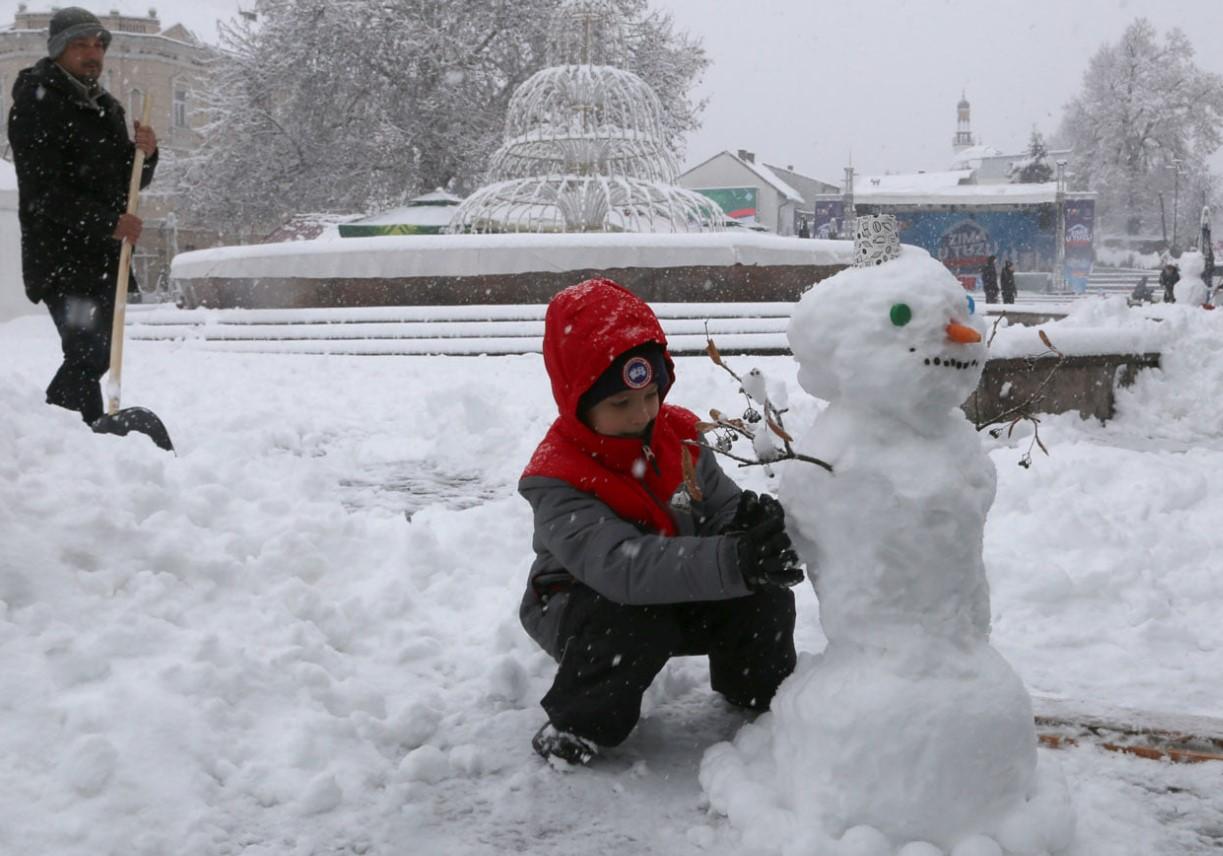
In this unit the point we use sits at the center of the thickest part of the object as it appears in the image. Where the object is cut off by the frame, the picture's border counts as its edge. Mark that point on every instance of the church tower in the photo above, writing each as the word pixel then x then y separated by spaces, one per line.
pixel 963 133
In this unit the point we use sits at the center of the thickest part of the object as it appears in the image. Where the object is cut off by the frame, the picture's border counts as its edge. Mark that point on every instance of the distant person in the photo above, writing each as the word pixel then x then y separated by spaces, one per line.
pixel 1168 278
pixel 1008 282
pixel 74 161
pixel 635 563
pixel 804 231
pixel 989 280
pixel 1142 293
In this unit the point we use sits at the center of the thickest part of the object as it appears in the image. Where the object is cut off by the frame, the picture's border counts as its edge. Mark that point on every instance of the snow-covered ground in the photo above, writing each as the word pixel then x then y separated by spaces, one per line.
pixel 299 635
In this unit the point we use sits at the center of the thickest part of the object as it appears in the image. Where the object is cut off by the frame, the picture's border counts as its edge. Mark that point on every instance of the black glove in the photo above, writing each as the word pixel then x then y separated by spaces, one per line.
pixel 746 513
pixel 766 556
pixel 770 509
pixel 752 510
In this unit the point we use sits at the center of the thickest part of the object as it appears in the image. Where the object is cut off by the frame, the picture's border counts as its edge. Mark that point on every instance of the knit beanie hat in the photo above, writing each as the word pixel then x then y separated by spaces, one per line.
pixel 636 368
pixel 73 23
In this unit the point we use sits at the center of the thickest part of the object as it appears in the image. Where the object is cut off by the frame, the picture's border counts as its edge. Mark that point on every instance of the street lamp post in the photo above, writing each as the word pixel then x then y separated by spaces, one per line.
pixel 849 211
pixel 1176 193
pixel 1059 240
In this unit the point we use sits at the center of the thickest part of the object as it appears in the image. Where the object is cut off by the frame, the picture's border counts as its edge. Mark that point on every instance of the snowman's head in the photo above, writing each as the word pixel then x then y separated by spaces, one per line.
pixel 901 338
pixel 1193 265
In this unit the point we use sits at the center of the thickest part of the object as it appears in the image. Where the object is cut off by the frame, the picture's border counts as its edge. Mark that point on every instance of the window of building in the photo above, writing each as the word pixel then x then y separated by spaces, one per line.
pixel 180 105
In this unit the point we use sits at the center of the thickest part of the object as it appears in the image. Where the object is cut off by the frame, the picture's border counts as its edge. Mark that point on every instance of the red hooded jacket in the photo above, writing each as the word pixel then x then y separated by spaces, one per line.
pixel 586 327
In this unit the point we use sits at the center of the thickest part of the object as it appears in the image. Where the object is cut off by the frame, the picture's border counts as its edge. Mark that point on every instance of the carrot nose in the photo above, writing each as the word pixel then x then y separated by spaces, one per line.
pixel 962 333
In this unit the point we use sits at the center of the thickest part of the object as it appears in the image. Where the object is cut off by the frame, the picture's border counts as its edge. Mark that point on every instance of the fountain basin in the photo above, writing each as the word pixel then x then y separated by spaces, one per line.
pixel 436 270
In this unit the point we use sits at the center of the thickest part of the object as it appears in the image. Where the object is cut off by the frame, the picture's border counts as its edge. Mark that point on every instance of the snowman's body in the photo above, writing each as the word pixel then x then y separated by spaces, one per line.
pixel 873 530
pixel 909 723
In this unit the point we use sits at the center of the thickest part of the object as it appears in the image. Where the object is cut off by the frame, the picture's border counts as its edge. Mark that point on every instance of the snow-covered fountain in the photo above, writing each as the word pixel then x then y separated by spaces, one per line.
pixel 584 147
pixel 583 185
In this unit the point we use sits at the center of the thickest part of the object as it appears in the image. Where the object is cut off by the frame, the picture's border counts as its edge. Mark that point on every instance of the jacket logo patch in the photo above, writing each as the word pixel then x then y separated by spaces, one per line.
pixel 638 373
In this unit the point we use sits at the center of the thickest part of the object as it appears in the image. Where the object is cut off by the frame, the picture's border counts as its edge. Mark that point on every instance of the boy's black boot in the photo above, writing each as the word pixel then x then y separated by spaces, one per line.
pixel 551 742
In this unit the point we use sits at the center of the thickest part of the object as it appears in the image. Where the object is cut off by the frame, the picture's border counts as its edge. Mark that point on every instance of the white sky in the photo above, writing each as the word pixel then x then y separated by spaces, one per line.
pixel 812 83
pixel 809 83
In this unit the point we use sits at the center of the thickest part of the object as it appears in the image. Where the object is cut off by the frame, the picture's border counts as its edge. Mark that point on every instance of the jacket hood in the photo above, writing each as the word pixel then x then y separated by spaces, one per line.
pixel 586 327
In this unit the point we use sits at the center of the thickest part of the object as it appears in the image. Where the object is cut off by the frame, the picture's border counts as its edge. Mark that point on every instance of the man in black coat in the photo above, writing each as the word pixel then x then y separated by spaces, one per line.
pixel 1008 282
pixel 1168 278
pixel 989 280
pixel 74 162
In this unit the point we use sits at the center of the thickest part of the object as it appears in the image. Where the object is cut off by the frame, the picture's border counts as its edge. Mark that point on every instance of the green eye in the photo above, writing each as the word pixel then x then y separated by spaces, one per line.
pixel 901 314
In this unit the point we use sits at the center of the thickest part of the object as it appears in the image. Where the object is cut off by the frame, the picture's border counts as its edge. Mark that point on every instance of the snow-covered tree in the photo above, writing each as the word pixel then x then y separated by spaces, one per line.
pixel 351 106
pixel 1142 127
pixel 671 62
pixel 1034 168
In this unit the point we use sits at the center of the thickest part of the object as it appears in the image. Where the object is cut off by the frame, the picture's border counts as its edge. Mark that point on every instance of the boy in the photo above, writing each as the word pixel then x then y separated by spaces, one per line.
pixel 632 567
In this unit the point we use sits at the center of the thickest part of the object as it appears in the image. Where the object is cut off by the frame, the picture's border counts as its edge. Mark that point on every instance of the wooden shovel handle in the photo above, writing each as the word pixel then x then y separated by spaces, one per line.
pixel 114 380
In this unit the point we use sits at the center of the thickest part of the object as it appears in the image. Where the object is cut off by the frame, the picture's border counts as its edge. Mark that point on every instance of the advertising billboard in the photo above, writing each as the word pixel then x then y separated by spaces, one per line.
pixel 1080 217
pixel 963 240
pixel 739 203
pixel 827 218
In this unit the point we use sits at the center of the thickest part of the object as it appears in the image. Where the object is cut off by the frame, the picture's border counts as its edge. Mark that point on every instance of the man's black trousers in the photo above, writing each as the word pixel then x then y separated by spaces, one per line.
pixel 614 651
pixel 84 334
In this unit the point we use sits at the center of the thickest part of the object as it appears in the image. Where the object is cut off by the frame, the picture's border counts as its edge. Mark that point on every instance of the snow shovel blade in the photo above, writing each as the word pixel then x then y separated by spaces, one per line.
pixel 139 419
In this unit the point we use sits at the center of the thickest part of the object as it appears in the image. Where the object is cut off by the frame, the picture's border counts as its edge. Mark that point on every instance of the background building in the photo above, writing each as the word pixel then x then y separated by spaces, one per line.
pixel 143 59
pixel 755 194
pixel 976 209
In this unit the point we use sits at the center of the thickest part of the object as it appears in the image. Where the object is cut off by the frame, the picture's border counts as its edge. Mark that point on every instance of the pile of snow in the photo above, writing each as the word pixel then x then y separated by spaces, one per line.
pixel 1107 325
pixel 250 647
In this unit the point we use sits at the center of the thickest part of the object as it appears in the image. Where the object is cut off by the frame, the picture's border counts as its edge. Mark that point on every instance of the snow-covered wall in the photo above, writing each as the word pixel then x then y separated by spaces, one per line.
pixel 481 255
pixel 12 295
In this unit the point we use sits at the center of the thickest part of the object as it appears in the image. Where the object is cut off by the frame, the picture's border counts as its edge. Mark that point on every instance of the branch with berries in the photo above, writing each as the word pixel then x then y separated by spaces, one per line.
pixel 762 423
pixel 1023 411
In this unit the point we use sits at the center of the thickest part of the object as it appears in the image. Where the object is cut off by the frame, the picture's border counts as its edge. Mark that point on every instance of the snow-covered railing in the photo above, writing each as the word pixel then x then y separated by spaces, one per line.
pixel 460 330
pixel 1103 345
pixel 517 329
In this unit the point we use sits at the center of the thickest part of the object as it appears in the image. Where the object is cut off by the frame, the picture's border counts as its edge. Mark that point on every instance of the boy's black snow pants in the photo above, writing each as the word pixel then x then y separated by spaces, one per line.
pixel 614 651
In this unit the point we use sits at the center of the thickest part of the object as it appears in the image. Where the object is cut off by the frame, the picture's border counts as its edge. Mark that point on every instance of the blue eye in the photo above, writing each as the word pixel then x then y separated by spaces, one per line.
pixel 972 305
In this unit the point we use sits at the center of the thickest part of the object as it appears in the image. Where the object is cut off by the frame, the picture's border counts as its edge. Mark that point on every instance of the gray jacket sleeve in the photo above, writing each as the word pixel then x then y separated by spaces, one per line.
pixel 577 533
pixel 721 494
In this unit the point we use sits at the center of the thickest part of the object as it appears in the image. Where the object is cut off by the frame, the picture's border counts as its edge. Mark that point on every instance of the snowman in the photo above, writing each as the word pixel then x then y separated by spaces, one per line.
pixel 909 733
pixel 1190 289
